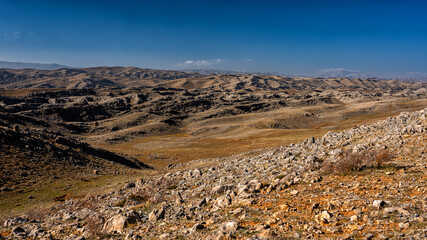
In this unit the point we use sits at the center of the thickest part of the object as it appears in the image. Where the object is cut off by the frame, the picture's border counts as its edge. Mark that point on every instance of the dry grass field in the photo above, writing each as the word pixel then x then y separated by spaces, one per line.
pixel 165 119
pixel 233 135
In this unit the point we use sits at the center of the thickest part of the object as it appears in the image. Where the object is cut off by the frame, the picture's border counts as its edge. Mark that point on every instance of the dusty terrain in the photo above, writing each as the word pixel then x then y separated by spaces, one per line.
pixel 71 137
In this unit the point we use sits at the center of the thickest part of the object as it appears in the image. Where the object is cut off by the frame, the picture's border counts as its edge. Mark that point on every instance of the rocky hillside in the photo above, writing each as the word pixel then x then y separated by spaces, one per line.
pixel 368 182
pixel 30 154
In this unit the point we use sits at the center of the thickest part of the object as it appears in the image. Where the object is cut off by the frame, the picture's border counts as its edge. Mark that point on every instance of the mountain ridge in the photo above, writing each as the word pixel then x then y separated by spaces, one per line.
pixel 132 77
pixel 27 65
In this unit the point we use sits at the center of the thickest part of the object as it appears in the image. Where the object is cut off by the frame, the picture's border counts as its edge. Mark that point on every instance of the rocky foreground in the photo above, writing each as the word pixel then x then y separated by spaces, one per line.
pixel 368 182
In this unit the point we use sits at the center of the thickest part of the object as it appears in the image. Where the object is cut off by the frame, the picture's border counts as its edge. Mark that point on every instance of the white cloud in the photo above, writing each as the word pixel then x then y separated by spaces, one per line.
pixel 339 70
pixel 13 35
pixel 199 63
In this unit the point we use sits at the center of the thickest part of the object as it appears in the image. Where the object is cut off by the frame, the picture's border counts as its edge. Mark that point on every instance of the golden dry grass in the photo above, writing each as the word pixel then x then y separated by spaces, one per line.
pixel 243 133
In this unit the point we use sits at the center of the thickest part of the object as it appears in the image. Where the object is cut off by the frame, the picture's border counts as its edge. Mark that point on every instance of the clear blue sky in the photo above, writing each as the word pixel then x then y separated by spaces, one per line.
pixel 293 37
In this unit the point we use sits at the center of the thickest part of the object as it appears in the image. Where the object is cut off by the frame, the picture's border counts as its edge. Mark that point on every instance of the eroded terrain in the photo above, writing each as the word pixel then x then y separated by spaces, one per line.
pixel 70 138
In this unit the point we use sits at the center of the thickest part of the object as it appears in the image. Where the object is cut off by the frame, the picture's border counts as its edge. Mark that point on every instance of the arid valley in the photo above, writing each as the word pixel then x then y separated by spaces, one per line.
pixel 146 154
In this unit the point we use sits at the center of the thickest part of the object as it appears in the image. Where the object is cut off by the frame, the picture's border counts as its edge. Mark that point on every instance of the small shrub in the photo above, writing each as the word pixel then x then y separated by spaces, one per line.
pixel 37 214
pixel 146 208
pixel 281 176
pixel 138 198
pixel 88 203
pixel 354 162
pixel 382 157
pixel 172 186
pixel 121 203
pixel 95 224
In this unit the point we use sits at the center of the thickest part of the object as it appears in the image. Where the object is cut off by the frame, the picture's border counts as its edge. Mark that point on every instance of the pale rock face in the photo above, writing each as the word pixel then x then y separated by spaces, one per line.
pixel 230 226
pixel 156 214
pixel 223 201
pixel 294 192
pixel 324 217
pixel 117 224
pixel 221 189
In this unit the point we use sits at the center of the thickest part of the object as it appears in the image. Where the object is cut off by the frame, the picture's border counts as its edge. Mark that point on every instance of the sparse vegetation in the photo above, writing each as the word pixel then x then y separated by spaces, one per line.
pixel 121 203
pixel 172 187
pixel 138 198
pixel 349 161
pixel 95 224
pixel 280 176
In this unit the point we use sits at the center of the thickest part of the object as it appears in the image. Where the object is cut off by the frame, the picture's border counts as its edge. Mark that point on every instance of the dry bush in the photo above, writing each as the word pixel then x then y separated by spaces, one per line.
pixel 40 213
pixel 37 214
pixel 382 157
pixel 353 162
pixel 138 198
pixel 95 224
pixel 148 194
pixel 87 202
pixel 154 192
pixel 165 182
pixel 120 203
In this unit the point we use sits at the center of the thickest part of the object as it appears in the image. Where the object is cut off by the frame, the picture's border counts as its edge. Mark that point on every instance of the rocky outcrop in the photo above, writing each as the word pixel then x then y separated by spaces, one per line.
pixel 117 224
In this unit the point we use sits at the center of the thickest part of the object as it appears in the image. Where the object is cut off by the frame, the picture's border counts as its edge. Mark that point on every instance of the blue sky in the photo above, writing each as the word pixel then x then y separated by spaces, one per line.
pixel 294 37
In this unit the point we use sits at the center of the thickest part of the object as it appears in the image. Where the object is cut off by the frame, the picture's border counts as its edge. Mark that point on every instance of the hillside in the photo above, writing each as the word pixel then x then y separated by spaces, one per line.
pixel 34 155
pixel 366 182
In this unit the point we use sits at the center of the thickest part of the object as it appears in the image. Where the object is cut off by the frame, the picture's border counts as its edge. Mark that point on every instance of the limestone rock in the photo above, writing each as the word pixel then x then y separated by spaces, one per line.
pixel 117 224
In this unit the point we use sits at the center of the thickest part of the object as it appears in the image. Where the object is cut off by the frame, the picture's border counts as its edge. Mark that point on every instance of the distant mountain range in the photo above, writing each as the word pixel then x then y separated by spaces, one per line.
pixel 347 73
pixel 131 77
pixel 23 65
pixel 326 73
pixel 219 72
pixel 341 73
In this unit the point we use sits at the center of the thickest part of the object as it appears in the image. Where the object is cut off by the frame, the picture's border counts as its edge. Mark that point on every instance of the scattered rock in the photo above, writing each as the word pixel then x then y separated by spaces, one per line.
pixel 157 214
pixel 18 232
pixel 323 217
pixel 117 224
pixel 230 227
pixel 379 204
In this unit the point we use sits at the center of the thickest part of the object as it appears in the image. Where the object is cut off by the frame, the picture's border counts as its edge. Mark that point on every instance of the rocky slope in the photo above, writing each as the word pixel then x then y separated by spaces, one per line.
pixel 30 154
pixel 367 182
